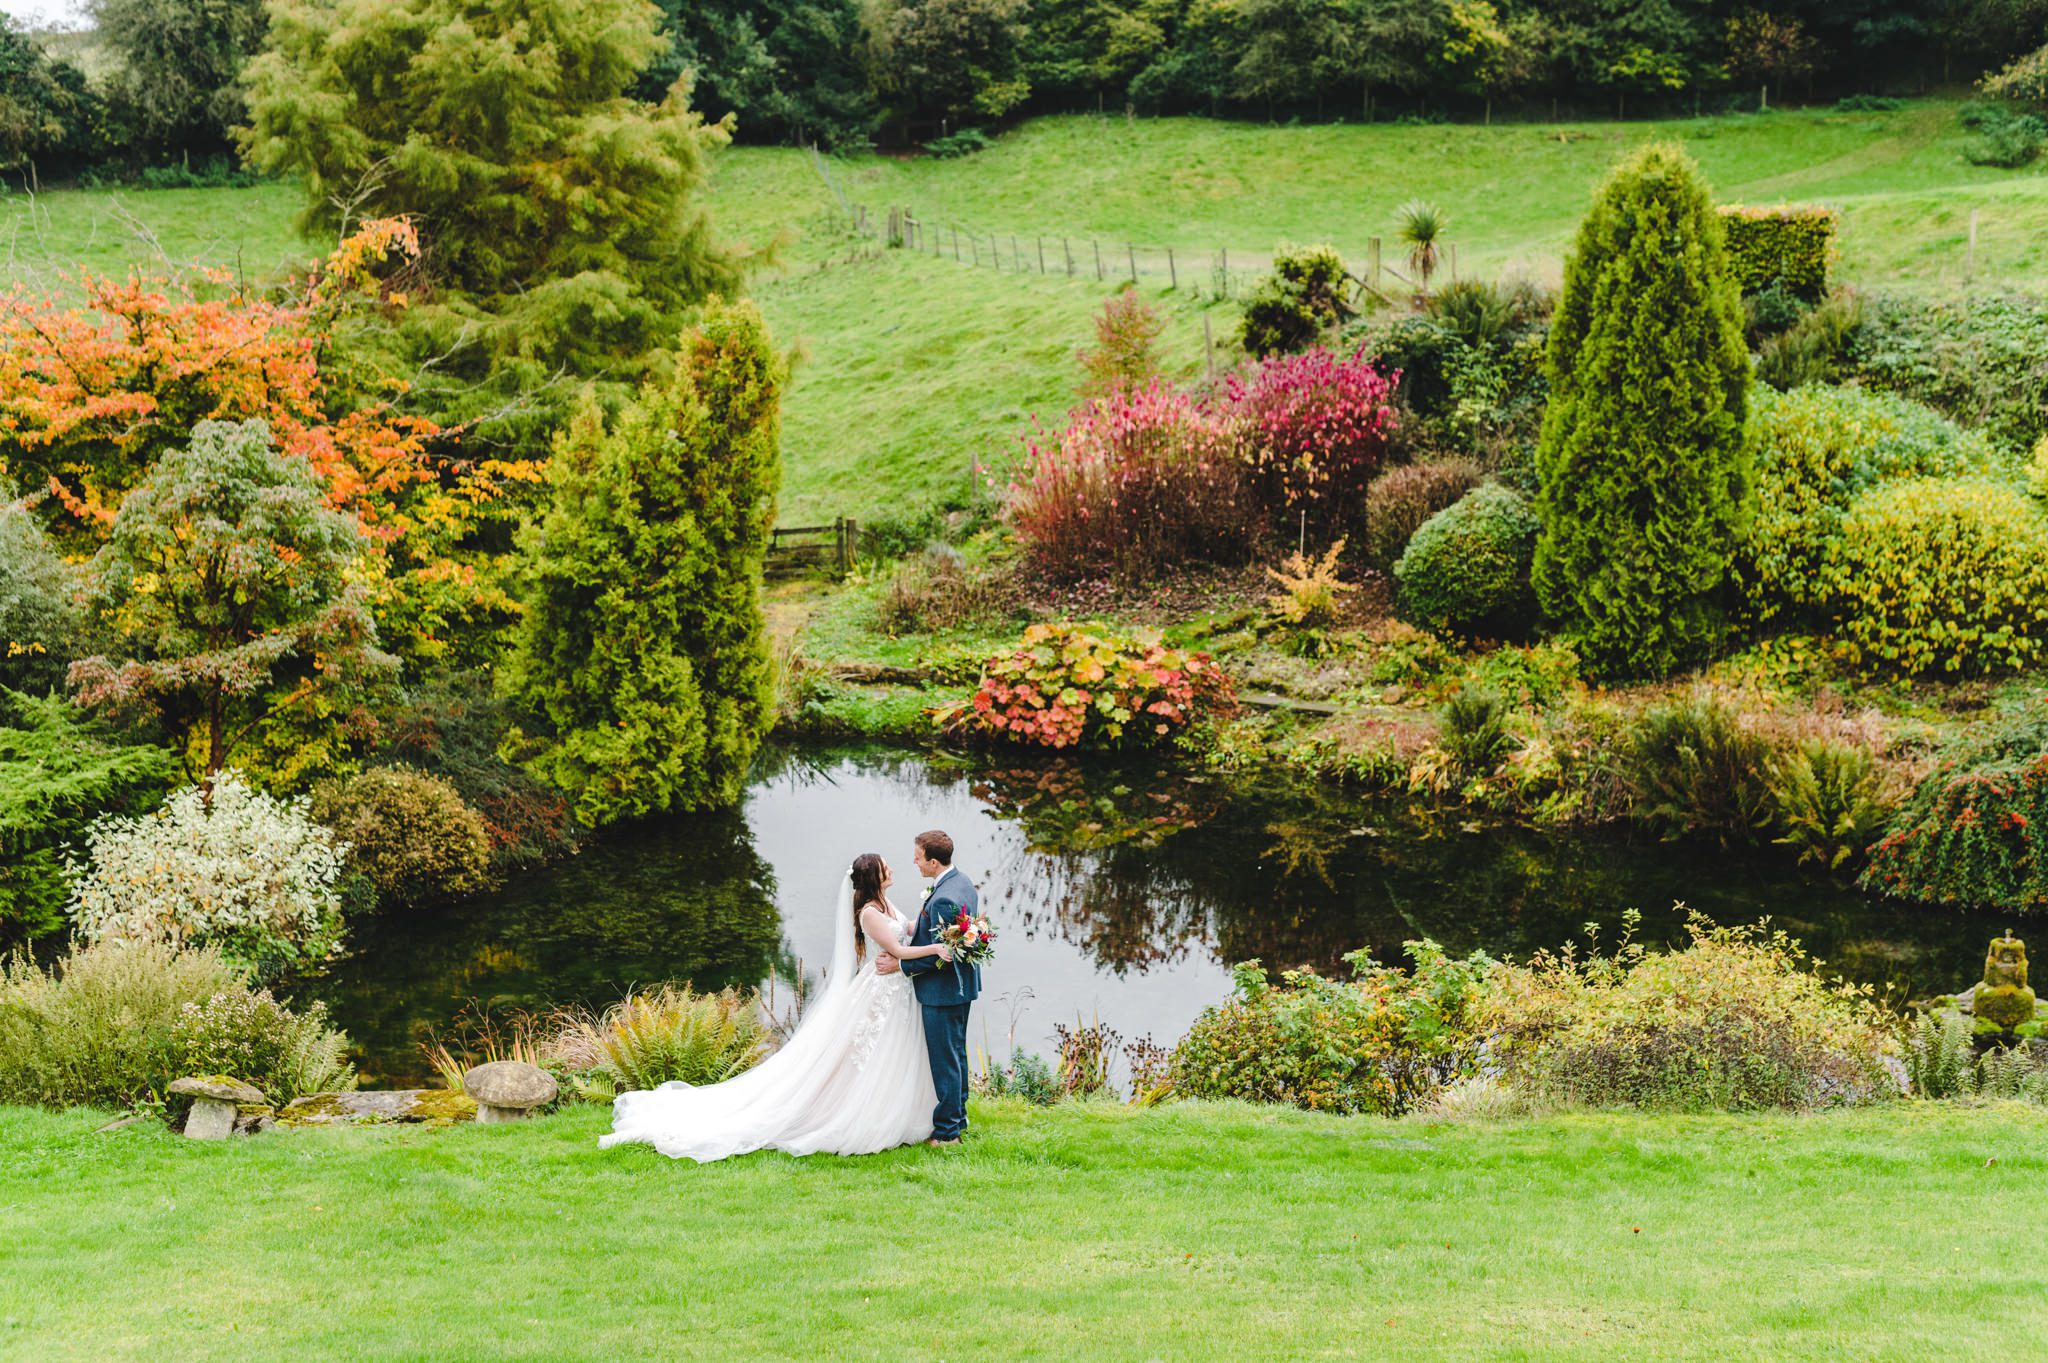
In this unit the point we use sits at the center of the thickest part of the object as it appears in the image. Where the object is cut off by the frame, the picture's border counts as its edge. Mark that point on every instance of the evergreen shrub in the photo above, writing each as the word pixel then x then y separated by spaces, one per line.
pixel 1466 570
pixel 1792 247
pixel 1641 458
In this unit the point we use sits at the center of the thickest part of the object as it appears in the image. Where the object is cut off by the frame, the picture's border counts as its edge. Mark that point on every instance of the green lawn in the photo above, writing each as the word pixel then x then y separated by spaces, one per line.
pixel 915 368
pixel 1192 1232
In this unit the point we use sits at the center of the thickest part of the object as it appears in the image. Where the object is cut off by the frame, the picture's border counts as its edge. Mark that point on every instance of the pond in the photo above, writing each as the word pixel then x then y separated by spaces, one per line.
pixel 1123 891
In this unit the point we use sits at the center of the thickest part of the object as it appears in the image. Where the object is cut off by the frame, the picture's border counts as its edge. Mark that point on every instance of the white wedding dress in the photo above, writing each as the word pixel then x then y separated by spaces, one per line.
pixel 853 1080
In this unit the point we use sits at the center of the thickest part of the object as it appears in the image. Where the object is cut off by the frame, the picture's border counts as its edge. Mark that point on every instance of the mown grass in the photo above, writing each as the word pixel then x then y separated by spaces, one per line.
pixel 916 370
pixel 1191 1232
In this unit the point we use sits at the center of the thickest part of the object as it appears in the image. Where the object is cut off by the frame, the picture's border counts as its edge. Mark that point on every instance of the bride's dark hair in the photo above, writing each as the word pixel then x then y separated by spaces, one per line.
pixel 867 889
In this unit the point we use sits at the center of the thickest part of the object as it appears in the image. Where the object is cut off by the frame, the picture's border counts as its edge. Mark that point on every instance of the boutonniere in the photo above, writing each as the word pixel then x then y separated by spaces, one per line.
pixel 925 896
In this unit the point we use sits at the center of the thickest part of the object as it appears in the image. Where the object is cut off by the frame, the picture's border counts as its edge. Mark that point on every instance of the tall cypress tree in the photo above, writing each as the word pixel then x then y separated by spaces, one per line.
pixel 643 658
pixel 1641 458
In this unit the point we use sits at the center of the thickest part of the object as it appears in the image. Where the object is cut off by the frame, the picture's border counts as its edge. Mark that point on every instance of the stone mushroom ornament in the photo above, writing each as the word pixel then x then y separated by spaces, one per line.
pixel 214 1104
pixel 506 1090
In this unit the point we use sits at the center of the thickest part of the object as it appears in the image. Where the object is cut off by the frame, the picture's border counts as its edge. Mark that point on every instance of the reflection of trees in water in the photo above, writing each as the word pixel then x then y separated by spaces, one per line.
pixel 685 899
pixel 1140 866
pixel 1089 870
pixel 1136 866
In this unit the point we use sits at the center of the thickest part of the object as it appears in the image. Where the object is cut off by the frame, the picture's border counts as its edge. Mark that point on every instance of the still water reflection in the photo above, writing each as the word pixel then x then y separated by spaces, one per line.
pixel 1124 891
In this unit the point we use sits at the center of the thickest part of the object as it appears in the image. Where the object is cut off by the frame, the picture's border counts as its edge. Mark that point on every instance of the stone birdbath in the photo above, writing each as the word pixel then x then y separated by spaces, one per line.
pixel 506 1090
pixel 215 1098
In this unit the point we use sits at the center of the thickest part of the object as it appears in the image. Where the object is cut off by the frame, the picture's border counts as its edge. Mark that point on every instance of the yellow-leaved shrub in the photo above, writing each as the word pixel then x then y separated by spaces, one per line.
pixel 1937 576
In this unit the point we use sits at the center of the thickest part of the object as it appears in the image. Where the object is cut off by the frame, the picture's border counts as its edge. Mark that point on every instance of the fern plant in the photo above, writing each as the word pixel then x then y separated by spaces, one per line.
pixel 1693 768
pixel 1829 801
pixel 1475 728
pixel 1940 1061
pixel 1310 589
pixel 648 1039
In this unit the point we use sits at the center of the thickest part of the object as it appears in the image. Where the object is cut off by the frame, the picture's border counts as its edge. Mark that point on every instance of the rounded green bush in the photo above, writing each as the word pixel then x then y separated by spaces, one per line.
pixel 1813 451
pixel 1932 576
pixel 409 834
pixel 1466 571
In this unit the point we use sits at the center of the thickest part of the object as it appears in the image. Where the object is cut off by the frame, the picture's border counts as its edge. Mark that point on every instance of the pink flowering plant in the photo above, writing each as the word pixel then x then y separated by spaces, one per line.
pixel 1312 430
pixel 1141 479
pixel 1146 479
pixel 1066 686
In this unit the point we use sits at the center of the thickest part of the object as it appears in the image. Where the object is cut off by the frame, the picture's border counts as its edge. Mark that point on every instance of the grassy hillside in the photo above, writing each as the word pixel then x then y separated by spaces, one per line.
pixel 1191 1232
pixel 915 368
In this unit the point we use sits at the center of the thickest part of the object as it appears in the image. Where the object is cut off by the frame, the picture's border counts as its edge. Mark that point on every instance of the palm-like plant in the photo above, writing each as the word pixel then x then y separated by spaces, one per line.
pixel 1420 228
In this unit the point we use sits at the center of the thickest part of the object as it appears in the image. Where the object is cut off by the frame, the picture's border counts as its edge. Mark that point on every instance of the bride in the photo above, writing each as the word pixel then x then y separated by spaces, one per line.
pixel 853 1080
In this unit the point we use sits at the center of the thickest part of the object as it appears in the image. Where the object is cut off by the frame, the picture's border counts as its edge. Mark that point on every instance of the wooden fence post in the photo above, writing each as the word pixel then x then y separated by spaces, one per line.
pixel 1209 346
pixel 1067 249
pixel 1172 274
pixel 1041 255
pixel 1970 258
pixel 1098 256
pixel 956 243
pixel 1225 258
pixel 1372 263
pixel 1453 246
pixel 1133 250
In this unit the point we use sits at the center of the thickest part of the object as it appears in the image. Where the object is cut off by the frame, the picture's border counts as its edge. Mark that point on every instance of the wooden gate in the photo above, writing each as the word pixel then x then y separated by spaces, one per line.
pixel 815 546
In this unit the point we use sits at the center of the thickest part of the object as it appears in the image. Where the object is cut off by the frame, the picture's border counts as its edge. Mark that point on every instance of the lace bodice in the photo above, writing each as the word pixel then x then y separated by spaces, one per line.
pixel 884 993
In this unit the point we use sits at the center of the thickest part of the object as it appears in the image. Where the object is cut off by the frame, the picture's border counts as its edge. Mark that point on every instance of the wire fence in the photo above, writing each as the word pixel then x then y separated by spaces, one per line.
pixel 1218 272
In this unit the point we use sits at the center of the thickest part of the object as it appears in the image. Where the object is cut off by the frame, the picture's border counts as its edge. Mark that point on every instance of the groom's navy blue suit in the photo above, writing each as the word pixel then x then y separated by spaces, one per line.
pixel 944 992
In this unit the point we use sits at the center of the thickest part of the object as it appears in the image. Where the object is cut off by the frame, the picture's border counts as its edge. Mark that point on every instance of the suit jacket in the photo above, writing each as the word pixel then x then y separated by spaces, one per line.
pixel 941 983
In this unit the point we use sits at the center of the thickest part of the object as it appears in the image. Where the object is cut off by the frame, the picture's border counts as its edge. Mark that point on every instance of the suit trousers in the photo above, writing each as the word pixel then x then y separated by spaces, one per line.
pixel 945 1039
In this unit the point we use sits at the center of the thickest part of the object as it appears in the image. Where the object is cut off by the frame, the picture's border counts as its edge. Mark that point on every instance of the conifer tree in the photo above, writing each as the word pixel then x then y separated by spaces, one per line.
pixel 643 659
pixel 561 218
pixel 1641 457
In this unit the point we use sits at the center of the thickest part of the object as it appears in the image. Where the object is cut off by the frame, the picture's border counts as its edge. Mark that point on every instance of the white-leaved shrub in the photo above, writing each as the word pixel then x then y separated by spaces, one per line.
pixel 238 870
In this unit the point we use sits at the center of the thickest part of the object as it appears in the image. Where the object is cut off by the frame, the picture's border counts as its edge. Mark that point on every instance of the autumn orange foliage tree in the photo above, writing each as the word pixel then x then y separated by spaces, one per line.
pixel 94 395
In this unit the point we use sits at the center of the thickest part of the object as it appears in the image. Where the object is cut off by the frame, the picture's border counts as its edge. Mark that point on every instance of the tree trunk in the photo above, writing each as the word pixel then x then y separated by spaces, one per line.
pixel 216 736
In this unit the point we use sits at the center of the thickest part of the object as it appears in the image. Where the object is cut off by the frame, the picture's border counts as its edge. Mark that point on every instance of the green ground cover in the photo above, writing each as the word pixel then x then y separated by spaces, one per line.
pixel 1085 1231
pixel 915 370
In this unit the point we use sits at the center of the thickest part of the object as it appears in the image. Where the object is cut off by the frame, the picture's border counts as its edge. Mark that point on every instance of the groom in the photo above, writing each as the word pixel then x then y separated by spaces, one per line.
pixel 944 989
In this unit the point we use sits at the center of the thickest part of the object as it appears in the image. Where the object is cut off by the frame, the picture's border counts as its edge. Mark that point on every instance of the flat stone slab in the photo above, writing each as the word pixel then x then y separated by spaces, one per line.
pixel 378 1105
pixel 221 1088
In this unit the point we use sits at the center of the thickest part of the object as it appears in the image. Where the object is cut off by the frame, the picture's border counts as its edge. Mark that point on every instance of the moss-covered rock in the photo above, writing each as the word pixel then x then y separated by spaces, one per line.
pixel 434 1107
pixel 2004 1001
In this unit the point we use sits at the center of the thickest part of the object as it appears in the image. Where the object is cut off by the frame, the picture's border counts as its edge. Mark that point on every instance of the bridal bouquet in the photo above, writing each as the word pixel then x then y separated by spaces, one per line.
pixel 970 937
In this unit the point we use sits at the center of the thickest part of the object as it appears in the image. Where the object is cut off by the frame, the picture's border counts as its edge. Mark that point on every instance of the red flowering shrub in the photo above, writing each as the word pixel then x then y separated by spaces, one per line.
pixel 1975 836
pixel 1144 479
pixel 1313 428
pixel 1140 480
pixel 1064 687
